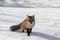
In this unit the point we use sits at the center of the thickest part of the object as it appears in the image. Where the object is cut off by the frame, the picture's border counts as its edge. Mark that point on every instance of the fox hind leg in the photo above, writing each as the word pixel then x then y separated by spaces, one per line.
pixel 22 30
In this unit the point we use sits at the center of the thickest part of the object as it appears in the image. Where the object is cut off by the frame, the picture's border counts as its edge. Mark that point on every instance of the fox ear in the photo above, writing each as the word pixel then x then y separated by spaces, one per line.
pixel 33 15
pixel 27 15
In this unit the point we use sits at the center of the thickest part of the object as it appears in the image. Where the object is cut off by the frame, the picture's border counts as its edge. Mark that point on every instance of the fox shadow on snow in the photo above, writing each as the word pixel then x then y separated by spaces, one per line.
pixel 46 36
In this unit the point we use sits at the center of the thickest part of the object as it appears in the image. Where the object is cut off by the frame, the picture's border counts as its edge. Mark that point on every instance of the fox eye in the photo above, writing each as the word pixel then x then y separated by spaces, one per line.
pixel 29 20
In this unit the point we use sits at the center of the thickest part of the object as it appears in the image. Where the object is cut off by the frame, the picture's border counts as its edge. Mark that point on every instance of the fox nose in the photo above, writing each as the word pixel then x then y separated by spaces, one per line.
pixel 31 22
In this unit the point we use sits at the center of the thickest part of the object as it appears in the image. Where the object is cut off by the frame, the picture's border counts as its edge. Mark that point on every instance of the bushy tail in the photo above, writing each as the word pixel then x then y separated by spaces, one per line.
pixel 15 27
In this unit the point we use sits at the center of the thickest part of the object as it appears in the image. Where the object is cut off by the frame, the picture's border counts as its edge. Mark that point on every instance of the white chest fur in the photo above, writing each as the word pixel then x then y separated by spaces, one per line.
pixel 30 25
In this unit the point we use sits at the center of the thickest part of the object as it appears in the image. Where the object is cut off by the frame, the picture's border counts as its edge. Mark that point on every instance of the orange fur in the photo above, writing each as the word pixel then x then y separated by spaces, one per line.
pixel 25 23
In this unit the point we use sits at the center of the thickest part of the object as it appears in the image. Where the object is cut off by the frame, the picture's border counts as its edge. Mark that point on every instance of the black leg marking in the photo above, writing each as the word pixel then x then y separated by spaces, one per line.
pixel 30 30
pixel 12 30
pixel 22 30
pixel 28 33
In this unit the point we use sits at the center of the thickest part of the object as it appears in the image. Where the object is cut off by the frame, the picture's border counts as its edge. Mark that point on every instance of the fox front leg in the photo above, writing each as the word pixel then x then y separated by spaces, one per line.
pixel 28 32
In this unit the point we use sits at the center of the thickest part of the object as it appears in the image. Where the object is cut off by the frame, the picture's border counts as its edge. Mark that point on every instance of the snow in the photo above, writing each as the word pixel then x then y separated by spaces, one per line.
pixel 47 26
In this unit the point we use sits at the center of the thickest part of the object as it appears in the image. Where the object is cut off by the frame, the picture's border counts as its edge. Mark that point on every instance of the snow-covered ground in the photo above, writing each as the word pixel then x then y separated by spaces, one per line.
pixel 47 25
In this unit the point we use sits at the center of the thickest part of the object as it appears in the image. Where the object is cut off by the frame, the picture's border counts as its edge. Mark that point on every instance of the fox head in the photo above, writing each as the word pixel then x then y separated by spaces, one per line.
pixel 31 18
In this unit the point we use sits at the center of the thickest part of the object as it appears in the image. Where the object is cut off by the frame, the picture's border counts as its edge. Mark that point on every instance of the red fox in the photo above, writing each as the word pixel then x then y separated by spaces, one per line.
pixel 28 24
